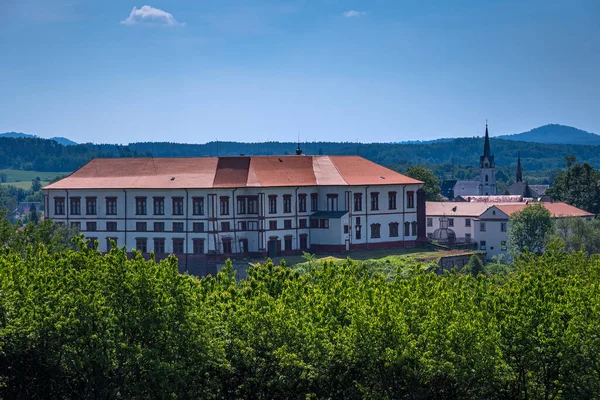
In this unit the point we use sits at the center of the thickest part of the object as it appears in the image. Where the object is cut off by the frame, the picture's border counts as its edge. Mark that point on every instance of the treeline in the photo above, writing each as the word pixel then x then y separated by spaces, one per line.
pixel 48 155
pixel 82 325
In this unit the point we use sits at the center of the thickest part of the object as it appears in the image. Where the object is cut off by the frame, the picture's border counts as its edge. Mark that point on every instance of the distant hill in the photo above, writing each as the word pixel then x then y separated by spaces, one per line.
pixel 19 135
pixel 556 134
pixel 64 141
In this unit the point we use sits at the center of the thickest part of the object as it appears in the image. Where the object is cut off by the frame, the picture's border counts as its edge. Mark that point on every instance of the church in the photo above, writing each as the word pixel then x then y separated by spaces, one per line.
pixel 485 186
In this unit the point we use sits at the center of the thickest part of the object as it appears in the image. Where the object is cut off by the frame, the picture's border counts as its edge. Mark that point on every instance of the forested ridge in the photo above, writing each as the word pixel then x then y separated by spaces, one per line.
pixel 48 155
pixel 80 324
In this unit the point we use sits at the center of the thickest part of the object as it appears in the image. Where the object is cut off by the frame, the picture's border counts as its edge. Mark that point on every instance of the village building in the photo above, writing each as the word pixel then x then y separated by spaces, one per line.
pixel 524 189
pixel 240 206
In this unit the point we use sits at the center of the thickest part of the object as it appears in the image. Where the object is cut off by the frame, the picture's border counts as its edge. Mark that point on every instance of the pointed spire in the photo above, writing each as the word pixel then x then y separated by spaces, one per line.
pixel 519 172
pixel 486 147
pixel 298 150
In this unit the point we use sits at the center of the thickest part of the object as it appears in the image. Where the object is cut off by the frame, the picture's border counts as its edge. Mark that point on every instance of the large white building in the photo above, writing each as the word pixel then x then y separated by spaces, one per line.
pixel 210 208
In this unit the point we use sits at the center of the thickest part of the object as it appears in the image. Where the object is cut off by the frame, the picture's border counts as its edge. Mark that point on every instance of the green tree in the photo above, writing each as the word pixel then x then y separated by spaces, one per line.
pixel 475 266
pixel 579 186
pixel 579 234
pixel 36 185
pixel 529 230
pixel 431 184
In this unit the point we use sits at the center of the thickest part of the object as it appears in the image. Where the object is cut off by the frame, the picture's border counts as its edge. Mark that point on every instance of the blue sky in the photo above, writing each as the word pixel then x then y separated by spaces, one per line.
pixel 114 71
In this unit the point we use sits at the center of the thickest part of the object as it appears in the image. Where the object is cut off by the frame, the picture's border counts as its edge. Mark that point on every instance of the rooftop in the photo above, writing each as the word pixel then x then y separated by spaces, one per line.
pixel 229 172
pixel 557 210
pixel 460 209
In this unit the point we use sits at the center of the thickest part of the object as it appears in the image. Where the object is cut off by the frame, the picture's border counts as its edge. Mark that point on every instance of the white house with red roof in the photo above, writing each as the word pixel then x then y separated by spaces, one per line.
pixel 240 206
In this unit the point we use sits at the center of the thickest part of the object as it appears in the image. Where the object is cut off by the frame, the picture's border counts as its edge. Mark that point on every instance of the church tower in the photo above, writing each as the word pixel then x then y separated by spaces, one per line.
pixel 487 168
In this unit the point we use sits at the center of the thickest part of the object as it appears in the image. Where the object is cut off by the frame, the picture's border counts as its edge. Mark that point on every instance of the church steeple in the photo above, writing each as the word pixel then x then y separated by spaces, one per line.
pixel 519 172
pixel 486 147
pixel 298 150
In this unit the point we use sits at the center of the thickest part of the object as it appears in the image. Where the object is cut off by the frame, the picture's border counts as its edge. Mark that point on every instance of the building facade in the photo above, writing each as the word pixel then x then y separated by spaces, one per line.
pixel 244 206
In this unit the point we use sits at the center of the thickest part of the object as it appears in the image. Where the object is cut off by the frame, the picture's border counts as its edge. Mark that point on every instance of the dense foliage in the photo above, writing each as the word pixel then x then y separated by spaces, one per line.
pixel 80 324
pixel 530 230
pixel 431 184
pixel 579 185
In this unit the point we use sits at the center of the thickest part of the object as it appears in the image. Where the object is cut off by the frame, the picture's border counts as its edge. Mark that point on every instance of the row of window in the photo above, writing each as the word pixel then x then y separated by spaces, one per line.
pixel 111 226
pixel 482 225
pixel 483 245
pixel 245 204
pixel 393 230
pixel 141 244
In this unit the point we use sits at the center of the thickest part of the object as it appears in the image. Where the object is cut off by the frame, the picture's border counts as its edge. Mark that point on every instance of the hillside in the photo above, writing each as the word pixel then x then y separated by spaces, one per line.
pixel 19 135
pixel 556 134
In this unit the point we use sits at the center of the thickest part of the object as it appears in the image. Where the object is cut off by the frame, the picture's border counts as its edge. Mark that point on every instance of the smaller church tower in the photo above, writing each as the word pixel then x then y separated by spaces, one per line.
pixel 519 171
pixel 487 168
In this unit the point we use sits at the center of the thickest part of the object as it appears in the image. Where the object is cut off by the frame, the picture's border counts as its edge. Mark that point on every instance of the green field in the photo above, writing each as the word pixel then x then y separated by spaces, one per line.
pixel 22 179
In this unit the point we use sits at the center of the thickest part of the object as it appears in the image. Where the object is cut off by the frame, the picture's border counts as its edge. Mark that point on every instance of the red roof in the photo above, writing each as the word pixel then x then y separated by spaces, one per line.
pixel 229 172
pixel 556 209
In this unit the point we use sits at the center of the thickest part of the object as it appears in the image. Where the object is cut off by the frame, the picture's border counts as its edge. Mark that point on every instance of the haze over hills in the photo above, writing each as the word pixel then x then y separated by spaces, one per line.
pixel 59 139
pixel 556 134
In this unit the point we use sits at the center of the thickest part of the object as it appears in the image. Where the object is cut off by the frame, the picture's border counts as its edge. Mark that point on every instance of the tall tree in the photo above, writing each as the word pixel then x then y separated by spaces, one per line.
pixel 431 182
pixel 579 186
pixel 529 230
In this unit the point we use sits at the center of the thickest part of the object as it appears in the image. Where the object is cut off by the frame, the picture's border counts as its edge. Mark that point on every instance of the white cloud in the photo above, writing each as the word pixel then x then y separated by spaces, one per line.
pixel 150 15
pixel 353 13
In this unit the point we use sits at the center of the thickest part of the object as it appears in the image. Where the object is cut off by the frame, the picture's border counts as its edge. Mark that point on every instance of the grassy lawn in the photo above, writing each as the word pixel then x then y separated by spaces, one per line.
pixel 22 179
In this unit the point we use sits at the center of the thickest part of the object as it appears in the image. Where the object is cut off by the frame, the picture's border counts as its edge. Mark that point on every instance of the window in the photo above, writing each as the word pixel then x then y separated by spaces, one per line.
pixel 375 231
pixel 346 229
pixel 314 223
pixel 110 243
pixel 141 244
pixel 314 202
pixel 159 227
pixel 332 202
pixel 272 225
pixel 429 222
pixel 111 226
pixel 141 226
pixel 392 200
pixel 358 230
pixel 159 246
pixel 241 205
pixel 414 228
pixel 357 201
pixel 287 243
pixel 227 246
pixel 451 222
pixel 198 205
pixel 225 226
pixel 177 205
pixel 410 199
pixel 92 242
pixel 198 226
pixel 159 206
pixel 242 226
pixel 272 204
pixel 198 246
pixel 140 206
pixel 90 226
pixel 252 225
pixel 287 224
pixel 287 203
pixel 177 226
pixel 468 237
pixel 374 201
pixel 482 226
pixel 59 205
pixel 75 206
pixel 252 205
pixel 407 229
pixel 76 225
pixel 502 226
pixel 503 245
pixel 486 178
pixel 111 206
pixel 178 246
pixel 301 203
pixel 394 229
pixel 468 222
pixel 303 241
pixel 224 202
pixel 90 206
pixel 482 245
pixel 324 223
pixel 302 223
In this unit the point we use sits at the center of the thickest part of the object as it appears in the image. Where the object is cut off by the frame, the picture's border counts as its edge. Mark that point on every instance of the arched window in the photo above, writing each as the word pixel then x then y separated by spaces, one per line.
pixel 407 228
pixel 414 229
pixel 486 179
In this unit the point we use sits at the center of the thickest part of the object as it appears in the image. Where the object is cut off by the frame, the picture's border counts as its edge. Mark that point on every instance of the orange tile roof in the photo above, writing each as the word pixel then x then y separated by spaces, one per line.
pixel 229 172
pixel 556 209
